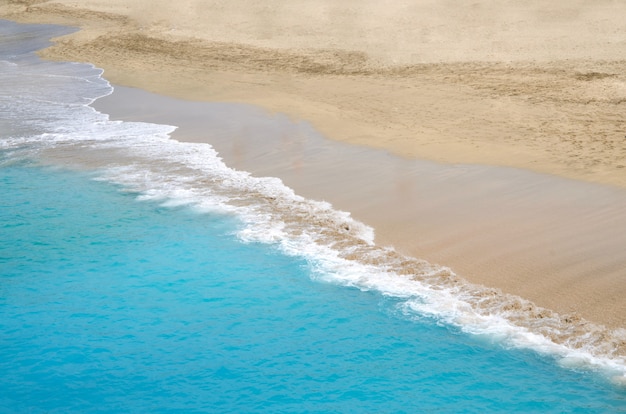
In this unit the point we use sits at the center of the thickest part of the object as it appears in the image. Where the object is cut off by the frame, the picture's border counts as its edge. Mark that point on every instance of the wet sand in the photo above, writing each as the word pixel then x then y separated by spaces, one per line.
pixel 555 241
pixel 533 87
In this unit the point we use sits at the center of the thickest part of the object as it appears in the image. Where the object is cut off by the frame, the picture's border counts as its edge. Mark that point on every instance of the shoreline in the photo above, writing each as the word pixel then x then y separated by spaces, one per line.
pixel 463 109
pixel 121 239
pixel 553 241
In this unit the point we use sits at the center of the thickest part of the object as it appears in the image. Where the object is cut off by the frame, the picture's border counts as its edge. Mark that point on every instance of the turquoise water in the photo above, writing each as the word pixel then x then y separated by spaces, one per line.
pixel 141 274
pixel 114 305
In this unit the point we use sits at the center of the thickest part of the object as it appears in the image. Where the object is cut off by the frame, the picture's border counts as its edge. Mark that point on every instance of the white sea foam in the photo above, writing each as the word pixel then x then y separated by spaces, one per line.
pixel 341 250
pixel 54 122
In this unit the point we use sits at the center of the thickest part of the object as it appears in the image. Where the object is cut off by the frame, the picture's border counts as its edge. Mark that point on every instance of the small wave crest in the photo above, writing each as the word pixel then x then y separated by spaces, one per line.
pixel 342 250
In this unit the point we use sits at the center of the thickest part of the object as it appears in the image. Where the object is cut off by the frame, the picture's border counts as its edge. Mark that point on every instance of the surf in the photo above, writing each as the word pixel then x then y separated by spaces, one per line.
pixel 56 126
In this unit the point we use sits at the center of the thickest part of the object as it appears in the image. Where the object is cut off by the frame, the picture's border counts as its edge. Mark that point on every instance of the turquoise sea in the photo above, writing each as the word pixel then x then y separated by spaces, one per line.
pixel 141 274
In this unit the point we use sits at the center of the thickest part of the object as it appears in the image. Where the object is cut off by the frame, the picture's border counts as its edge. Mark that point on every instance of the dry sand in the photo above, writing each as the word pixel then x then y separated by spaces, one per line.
pixel 536 85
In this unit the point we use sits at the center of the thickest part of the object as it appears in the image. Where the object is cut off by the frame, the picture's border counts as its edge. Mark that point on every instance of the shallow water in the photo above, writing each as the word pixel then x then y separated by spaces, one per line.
pixel 110 304
pixel 143 274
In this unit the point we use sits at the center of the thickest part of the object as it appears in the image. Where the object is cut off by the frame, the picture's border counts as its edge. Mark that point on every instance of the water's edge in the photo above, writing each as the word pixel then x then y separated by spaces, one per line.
pixel 143 158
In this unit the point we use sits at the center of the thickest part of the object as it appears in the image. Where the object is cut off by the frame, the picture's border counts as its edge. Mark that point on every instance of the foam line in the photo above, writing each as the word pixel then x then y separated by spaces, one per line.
pixel 55 124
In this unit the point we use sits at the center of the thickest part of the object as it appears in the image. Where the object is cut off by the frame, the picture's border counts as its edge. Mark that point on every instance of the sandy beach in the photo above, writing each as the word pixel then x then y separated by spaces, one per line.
pixel 537 87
